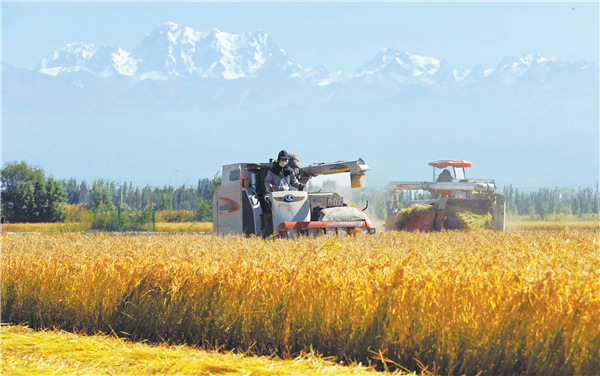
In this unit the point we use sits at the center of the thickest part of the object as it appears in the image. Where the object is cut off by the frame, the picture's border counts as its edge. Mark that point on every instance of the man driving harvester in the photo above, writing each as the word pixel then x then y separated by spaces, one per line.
pixel 281 176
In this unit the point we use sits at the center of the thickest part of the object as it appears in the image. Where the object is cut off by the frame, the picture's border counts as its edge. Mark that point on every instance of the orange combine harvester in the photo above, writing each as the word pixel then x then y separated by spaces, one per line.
pixel 450 193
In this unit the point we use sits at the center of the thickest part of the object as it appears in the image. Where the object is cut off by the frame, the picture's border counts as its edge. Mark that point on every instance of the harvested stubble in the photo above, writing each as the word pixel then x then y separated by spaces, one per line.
pixel 56 352
pixel 459 302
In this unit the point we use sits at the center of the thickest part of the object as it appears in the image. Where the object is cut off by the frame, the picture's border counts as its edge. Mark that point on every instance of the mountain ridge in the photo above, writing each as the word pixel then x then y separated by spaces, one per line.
pixel 173 52
pixel 171 105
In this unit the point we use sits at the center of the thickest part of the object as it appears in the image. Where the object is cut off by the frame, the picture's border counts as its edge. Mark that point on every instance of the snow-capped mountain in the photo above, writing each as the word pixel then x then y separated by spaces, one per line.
pixel 77 57
pixel 170 51
pixel 406 68
pixel 181 95
pixel 402 67
pixel 511 69
pixel 545 72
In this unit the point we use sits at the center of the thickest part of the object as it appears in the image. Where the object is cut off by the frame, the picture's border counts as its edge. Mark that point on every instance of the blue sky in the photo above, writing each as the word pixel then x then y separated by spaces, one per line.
pixel 338 35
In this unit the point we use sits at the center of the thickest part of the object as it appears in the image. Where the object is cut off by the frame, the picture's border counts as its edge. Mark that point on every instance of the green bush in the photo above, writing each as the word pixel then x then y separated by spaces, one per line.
pixel 203 210
pixel 108 219
pixel 79 213
pixel 29 197
pixel 175 216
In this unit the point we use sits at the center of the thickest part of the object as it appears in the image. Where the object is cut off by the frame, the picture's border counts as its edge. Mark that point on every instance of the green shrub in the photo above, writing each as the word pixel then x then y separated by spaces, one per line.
pixel 175 216
pixel 79 213
pixel 109 219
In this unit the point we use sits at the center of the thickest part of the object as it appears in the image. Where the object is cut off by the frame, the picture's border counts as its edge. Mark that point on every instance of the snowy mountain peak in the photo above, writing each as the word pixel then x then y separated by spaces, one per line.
pixel 403 67
pixel 390 60
pixel 423 64
pixel 530 61
pixel 69 56
pixel 170 51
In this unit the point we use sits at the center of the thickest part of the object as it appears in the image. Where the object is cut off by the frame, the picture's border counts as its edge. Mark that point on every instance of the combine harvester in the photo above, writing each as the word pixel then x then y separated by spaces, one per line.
pixel 242 205
pixel 454 202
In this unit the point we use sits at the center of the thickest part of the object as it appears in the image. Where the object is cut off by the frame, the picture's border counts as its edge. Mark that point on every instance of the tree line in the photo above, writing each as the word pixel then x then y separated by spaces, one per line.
pixel 29 196
pixel 544 202
pixel 548 201
pixel 111 193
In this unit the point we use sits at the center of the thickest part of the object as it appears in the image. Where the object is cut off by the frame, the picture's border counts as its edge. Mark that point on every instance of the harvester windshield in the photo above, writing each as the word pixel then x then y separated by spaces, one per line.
pixel 459 173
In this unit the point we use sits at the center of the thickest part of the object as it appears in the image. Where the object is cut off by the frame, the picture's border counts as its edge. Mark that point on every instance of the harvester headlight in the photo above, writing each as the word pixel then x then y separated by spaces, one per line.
pixel 372 231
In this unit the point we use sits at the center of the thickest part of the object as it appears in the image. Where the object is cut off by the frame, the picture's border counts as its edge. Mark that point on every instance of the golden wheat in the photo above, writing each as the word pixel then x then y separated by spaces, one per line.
pixel 74 226
pixel 184 227
pixel 55 227
pixel 457 302
pixel 55 352
pixel 552 225
pixel 406 215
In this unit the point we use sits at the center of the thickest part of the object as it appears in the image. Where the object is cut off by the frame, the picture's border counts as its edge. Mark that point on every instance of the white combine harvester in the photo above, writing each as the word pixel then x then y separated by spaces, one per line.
pixel 241 205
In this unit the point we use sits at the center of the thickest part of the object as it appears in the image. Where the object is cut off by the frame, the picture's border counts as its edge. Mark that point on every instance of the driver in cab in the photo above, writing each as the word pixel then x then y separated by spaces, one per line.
pixel 281 176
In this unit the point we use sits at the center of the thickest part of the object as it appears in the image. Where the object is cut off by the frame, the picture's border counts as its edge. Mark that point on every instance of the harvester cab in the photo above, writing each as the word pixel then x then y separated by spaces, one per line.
pixel 458 167
pixel 242 205
pixel 455 201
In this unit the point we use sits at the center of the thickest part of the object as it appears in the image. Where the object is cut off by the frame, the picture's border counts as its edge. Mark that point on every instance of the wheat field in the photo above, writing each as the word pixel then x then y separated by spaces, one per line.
pixel 56 352
pixel 59 227
pixel 184 227
pixel 511 225
pixel 552 225
pixel 453 302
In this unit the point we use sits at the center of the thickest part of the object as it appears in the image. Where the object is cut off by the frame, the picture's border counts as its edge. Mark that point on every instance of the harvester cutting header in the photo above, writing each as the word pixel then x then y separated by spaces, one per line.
pixel 453 199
